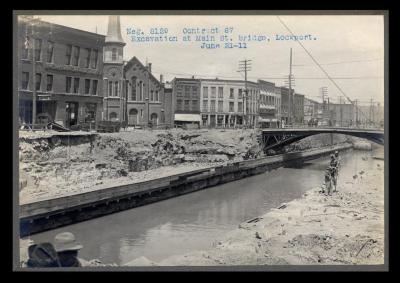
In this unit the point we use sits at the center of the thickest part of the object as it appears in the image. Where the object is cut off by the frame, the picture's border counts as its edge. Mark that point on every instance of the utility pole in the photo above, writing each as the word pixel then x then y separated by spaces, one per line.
pixel 33 78
pixel 245 66
pixel 356 113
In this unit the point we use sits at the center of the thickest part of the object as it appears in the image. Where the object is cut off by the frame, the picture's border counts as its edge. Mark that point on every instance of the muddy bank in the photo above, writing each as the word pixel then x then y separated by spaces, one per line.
pixel 346 228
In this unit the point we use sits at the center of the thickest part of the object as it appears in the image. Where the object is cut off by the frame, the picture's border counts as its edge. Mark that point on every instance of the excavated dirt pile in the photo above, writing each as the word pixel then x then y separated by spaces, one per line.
pixel 51 167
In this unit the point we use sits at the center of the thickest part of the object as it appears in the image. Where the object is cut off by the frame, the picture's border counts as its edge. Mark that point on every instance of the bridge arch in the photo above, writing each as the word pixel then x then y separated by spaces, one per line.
pixel 277 138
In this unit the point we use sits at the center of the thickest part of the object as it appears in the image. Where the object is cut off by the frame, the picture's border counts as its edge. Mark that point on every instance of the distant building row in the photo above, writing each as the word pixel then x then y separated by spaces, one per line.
pixel 80 77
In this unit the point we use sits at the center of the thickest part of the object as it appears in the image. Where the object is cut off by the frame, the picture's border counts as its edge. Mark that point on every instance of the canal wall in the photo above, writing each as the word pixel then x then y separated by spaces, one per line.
pixel 47 214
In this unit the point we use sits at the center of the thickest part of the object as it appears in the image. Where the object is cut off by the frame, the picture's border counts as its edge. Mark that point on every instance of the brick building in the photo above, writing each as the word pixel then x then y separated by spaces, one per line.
pixel 145 95
pixel 298 108
pixel 68 73
pixel 267 105
pixel 186 93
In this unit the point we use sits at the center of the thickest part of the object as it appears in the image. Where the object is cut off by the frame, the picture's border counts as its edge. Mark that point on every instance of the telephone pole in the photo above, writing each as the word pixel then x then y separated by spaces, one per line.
pixel 245 66
pixel 356 113
pixel 33 78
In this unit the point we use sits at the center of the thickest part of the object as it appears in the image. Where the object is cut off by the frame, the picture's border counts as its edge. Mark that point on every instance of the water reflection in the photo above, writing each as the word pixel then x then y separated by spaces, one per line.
pixel 194 221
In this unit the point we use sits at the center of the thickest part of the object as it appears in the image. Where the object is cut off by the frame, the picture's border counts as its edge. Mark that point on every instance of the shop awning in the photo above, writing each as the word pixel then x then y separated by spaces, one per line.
pixel 188 117
pixel 267 120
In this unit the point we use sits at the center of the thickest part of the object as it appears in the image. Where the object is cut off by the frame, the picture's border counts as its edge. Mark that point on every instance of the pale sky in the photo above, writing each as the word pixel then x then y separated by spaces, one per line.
pixel 340 39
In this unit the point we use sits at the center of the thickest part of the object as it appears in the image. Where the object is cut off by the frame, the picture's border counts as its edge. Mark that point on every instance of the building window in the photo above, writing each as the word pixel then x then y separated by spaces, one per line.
pixel 205 105
pixel 194 90
pixel 220 92
pixel 231 107
pixel 240 106
pixel 116 89
pixel 50 51
pixel 95 58
pixel 187 105
pixel 68 82
pixel 76 56
pixel 133 89
pixel 25 51
pixel 179 105
pixel 49 83
pixel 179 91
pixel 94 87
pixel 187 91
pixel 25 80
pixel 212 106
pixel 205 92
pixel 110 89
pixel 220 106
pixel 38 49
pixel 87 86
pixel 113 116
pixel 114 54
pixel 157 98
pixel 87 59
pixel 232 93
pixel 213 92
pixel 141 113
pixel 90 109
pixel 76 85
pixel 38 81
pixel 194 105
pixel 68 55
pixel 240 95
pixel 151 95
pixel 140 90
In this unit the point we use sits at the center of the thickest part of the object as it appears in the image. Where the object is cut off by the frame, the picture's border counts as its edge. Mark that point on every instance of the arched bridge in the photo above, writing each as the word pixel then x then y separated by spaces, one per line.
pixel 274 138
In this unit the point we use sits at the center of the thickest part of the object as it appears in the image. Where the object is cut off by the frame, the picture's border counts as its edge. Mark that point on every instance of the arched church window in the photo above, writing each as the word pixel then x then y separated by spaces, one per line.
pixel 133 89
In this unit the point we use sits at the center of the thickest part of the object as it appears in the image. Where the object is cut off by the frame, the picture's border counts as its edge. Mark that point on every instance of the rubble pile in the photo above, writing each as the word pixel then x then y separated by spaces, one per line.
pixel 52 167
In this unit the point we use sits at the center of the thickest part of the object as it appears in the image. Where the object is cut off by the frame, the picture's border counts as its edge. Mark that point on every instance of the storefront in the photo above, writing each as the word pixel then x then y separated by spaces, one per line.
pixel 188 120
pixel 268 123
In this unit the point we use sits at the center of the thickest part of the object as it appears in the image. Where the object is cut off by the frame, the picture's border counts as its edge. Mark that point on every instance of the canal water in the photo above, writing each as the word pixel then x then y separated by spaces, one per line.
pixel 196 220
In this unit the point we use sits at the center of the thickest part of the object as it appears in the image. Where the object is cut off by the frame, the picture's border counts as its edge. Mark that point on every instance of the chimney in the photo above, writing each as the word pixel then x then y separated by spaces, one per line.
pixel 149 67
pixel 161 78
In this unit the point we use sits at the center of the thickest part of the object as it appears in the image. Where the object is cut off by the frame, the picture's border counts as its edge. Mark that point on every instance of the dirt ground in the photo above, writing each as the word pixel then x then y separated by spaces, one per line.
pixel 346 228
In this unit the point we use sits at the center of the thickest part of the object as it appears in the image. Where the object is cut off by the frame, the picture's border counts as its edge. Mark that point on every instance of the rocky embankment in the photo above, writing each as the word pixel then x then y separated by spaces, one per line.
pixel 346 228
pixel 50 167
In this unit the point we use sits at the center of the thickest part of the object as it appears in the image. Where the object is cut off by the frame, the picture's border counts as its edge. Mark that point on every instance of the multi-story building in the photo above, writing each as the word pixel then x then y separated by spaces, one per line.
pixel 298 108
pixel 186 107
pixel 310 110
pixel 113 72
pixel 278 105
pixel 284 105
pixel 145 95
pixel 224 103
pixel 267 105
pixel 65 68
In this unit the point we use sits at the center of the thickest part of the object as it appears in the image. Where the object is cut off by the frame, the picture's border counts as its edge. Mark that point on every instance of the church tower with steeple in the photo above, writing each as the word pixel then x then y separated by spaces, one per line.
pixel 114 97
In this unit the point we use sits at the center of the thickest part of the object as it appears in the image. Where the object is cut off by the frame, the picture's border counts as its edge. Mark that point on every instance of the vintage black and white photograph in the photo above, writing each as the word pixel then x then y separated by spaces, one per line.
pixel 186 139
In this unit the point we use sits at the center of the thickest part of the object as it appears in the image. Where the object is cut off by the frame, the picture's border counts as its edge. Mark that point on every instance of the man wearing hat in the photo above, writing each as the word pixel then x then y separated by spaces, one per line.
pixel 67 249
